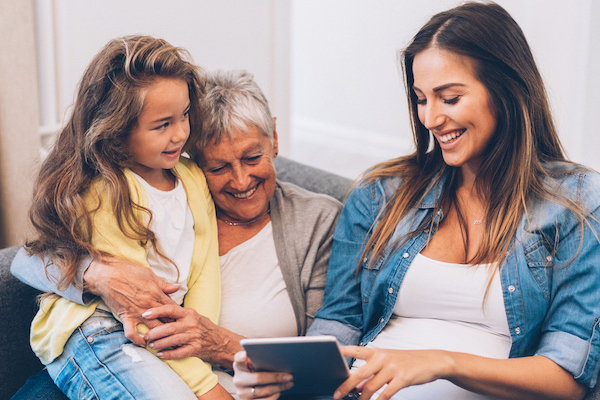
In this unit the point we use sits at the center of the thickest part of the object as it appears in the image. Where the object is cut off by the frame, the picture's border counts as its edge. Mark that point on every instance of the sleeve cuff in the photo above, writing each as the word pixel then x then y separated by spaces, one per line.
pixel 345 334
pixel 86 297
pixel 571 353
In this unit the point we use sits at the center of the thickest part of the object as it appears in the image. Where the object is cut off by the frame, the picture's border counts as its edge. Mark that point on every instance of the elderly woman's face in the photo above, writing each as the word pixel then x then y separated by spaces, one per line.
pixel 241 173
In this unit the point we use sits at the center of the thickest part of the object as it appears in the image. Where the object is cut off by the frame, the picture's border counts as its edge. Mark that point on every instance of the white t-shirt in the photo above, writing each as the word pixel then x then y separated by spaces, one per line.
pixel 254 298
pixel 441 306
pixel 173 225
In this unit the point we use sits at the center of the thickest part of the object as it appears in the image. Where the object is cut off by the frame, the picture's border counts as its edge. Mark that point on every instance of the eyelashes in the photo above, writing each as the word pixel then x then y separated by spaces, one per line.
pixel 451 101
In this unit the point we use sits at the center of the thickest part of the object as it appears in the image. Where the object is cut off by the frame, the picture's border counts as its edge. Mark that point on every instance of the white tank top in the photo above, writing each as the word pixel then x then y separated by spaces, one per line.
pixel 254 298
pixel 441 306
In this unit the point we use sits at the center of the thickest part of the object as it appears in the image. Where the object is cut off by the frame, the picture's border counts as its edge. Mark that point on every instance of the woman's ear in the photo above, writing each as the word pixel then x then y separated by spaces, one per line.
pixel 275 142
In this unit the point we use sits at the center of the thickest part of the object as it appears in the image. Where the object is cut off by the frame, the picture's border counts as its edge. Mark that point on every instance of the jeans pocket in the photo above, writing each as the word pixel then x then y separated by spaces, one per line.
pixel 73 382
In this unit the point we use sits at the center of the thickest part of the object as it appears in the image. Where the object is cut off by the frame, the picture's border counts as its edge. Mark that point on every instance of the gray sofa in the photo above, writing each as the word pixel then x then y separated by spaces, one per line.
pixel 18 301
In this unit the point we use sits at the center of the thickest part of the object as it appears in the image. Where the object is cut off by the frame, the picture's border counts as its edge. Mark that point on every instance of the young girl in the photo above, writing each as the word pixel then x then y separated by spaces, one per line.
pixel 114 184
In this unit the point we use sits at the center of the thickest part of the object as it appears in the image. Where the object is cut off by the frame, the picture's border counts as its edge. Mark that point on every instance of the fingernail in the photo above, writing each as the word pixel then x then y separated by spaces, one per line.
pixel 151 345
pixel 287 378
pixel 288 386
pixel 147 314
pixel 159 355
pixel 337 395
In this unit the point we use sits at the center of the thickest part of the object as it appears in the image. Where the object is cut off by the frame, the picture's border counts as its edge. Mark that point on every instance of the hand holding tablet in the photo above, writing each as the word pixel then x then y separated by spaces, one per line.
pixel 315 362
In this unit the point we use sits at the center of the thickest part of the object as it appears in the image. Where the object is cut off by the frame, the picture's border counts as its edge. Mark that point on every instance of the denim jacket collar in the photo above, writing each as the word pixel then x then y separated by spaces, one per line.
pixel 433 194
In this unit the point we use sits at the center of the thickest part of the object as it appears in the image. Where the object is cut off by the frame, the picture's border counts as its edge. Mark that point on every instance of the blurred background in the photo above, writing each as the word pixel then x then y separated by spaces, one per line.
pixel 328 68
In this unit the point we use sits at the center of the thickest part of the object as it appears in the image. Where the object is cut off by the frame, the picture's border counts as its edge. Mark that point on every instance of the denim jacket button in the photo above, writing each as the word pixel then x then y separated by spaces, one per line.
pixel 549 258
pixel 517 330
pixel 365 259
pixel 405 255
pixel 381 320
pixel 511 288
pixel 390 290
pixel 90 339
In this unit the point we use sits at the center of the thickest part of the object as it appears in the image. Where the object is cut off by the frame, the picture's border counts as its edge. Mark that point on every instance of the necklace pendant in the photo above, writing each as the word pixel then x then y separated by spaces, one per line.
pixel 477 222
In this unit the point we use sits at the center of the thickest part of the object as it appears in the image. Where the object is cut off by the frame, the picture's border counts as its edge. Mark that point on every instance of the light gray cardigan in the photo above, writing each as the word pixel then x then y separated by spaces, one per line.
pixel 303 224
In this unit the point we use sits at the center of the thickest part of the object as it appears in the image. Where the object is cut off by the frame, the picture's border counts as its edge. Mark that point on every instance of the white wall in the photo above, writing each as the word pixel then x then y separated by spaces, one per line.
pixel 328 67
pixel 19 141
pixel 218 33
pixel 348 104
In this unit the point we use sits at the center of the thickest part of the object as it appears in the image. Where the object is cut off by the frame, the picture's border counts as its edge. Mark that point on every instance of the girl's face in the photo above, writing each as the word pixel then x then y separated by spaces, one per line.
pixel 454 106
pixel 240 173
pixel 162 129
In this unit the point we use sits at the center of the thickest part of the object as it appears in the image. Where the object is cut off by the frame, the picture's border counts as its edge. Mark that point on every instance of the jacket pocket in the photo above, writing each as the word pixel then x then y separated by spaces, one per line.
pixel 539 261
pixel 368 273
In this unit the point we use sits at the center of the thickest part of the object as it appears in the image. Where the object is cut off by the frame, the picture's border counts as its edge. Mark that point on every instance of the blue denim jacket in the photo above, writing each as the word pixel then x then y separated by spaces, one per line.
pixel 550 278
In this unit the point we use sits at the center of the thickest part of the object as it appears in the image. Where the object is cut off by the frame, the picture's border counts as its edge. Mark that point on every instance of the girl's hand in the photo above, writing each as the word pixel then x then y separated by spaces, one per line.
pixel 396 368
pixel 191 334
pixel 258 385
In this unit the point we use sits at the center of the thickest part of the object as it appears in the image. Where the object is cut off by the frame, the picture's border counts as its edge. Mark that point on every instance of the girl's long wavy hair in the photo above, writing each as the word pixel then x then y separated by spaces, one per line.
pixel 512 169
pixel 93 143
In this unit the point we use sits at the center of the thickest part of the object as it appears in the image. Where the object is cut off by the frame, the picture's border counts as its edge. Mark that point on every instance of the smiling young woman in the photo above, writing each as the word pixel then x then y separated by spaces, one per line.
pixel 468 269
pixel 453 105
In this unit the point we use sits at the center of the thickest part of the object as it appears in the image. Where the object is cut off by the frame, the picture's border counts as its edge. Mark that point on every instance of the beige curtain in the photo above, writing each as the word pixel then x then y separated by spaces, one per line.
pixel 19 118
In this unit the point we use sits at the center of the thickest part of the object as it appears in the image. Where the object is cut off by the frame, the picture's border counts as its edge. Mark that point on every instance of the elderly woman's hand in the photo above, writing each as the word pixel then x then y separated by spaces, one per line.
pixel 128 290
pixel 258 385
pixel 191 334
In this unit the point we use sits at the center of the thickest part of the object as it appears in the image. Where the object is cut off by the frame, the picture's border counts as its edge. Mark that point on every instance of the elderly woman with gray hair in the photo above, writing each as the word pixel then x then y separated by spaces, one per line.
pixel 274 244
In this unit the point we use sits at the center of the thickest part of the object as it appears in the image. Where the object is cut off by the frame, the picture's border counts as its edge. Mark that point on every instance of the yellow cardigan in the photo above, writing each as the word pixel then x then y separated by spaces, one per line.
pixel 58 317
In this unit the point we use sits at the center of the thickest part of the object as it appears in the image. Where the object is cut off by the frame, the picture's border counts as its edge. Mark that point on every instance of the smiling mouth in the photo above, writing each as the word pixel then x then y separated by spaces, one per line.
pixel 452 136
pixel 172 152
pixel 245 195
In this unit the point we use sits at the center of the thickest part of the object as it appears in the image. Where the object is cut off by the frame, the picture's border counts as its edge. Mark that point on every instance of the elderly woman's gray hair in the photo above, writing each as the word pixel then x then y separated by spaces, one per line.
pixel 234 101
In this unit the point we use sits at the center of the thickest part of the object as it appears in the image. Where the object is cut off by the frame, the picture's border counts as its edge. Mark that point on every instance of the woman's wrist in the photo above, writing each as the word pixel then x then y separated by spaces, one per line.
pixel 450 365
pixel 230 346
pixel 90 278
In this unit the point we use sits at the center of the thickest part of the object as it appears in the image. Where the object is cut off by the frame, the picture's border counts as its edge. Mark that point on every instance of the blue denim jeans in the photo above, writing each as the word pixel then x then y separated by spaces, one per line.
pixel 99 362
pixel 39 386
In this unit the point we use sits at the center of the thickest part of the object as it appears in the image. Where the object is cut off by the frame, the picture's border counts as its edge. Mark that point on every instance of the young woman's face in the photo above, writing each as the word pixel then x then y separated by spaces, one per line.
pixel 161 130
pixel 454 106
pixel 240 173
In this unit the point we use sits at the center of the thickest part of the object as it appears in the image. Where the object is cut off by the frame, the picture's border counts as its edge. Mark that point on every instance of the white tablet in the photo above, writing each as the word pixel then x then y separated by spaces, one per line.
pixel 315 361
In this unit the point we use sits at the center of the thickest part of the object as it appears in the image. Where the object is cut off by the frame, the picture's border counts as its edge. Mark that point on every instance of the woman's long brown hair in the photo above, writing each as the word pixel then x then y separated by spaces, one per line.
pixel 93 143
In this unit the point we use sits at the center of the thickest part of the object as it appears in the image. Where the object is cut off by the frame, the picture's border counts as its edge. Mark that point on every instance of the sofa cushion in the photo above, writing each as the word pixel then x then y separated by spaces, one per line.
pixel 313 179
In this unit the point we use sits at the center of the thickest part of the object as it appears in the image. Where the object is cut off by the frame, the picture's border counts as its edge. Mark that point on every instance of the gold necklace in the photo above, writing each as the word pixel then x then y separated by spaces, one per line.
pixel 253 220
